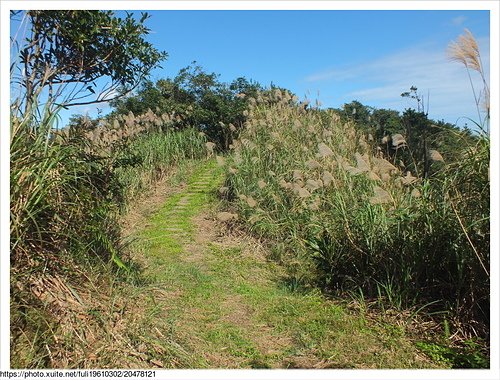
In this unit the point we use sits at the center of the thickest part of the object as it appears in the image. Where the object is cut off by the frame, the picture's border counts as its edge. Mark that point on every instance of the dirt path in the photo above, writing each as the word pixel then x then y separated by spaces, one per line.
pixel 212 300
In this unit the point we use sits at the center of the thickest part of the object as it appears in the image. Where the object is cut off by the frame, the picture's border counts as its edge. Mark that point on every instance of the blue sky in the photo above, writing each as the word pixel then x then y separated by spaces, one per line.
pixel 336 56
pixel 370 56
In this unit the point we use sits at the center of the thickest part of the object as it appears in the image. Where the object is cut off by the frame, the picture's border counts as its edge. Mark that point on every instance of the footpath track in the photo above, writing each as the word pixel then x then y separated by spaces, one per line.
pixel 213 300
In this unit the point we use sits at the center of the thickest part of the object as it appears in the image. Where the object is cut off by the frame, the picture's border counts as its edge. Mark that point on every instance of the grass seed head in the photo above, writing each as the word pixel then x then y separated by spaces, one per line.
pixel 251 202
pixel 327 178
pixel 220 160
pixel 297 175
pixel 284 184
pixel 312 184
pixel 223 190
pixel 210 147
pixel 380 197
pixel 302 192
pixel 373 176
pixel 315 205
pixel 362 163
pixel 466 51
pixel 324 150
pixel 382 166
pixel 398 140
pixel 415 193
pixel 313 164
pixel 408 179
pixel 435 155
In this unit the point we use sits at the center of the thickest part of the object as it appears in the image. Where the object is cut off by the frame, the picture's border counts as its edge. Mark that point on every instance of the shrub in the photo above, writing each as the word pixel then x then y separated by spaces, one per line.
pixel 349 219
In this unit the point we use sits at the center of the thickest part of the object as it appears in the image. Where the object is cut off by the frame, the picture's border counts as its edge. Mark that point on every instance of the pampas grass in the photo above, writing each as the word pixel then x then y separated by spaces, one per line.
pixel 350 219
pixel 465 50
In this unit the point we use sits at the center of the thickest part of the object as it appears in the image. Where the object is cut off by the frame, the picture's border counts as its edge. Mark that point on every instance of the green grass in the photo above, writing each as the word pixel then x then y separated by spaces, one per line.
pixel 227 306
pixel 149 157
pixel 66 198
pixel 342 218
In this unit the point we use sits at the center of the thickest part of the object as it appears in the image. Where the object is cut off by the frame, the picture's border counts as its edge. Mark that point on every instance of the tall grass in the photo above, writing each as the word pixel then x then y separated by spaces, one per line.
pixel 344 218
pixel 152 155
pixel 57 192
pixel 465 50
pixel 67 190
pixel 63 220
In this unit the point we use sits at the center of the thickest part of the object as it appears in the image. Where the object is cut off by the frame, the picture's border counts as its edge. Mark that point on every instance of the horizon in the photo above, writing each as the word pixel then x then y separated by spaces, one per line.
pixel 322 59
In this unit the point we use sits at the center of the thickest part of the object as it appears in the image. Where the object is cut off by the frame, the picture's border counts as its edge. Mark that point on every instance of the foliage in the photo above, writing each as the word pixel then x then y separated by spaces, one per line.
pixel 348 218
pixel 385 122
pixel 66 195
pixel 69 185
pixel 357 112
pixel 67 52
pixel 82 122
pixel 195 98
pixel 468 356
pixel 418 135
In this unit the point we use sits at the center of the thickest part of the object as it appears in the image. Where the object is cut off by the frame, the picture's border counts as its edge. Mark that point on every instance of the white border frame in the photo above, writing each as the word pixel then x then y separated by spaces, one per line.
pixel 492 6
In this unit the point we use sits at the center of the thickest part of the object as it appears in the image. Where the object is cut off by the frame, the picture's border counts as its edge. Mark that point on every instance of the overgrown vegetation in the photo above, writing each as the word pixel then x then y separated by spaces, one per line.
pixel 195 98
pixel 348 218
pixel 388 206
pixel 69 185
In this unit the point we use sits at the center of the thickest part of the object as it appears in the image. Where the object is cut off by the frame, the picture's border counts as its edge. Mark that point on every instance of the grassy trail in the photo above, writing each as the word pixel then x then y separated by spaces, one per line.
pixel 213 300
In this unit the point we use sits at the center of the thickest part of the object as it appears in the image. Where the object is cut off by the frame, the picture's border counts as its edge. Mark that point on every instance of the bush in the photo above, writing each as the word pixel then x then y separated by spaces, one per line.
pixel 349 219
pixel 67 190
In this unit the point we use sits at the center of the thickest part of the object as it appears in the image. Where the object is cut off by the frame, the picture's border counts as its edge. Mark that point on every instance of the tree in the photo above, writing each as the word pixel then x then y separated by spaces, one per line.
pixel 199 100
pixel 242 85
pixel 82 122
pixel 417 127
pixel 357 112
pixel 66 52
pixel 386 122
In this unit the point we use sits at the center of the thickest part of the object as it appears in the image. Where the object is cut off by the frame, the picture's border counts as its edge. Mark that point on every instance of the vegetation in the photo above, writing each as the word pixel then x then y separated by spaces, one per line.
pixel 357 201
pixel 421 135
pixel 345 217
pixel 222 302
pixel 66 53
pixel 195 98
pixel 68 186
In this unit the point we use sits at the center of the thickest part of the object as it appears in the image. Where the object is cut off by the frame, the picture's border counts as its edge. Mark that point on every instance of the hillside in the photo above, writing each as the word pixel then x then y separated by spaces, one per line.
pixel 205 224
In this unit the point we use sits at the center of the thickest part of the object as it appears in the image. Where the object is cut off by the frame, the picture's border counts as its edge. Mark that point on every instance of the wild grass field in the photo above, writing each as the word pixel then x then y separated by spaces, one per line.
pixel 203 224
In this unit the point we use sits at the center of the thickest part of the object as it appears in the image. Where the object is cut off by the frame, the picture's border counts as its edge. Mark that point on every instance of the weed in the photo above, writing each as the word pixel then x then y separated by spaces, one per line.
pixel 342 217
pixel 467 356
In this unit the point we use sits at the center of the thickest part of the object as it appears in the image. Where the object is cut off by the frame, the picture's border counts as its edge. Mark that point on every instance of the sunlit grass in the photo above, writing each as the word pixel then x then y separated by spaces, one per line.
pixel 342 217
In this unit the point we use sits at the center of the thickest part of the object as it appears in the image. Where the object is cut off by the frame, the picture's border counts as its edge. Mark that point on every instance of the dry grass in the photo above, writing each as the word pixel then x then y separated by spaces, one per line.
pixel 343 217
pixel 466 51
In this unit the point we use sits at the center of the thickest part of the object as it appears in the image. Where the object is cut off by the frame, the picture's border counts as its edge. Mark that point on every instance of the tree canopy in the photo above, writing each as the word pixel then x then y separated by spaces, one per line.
pixel 196 98
pixel 68 51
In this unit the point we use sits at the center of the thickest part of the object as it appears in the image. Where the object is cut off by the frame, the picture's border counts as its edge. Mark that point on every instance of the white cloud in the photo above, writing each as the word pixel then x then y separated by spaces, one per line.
pixel 459 20
pixel 109 94
pixel 381 81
